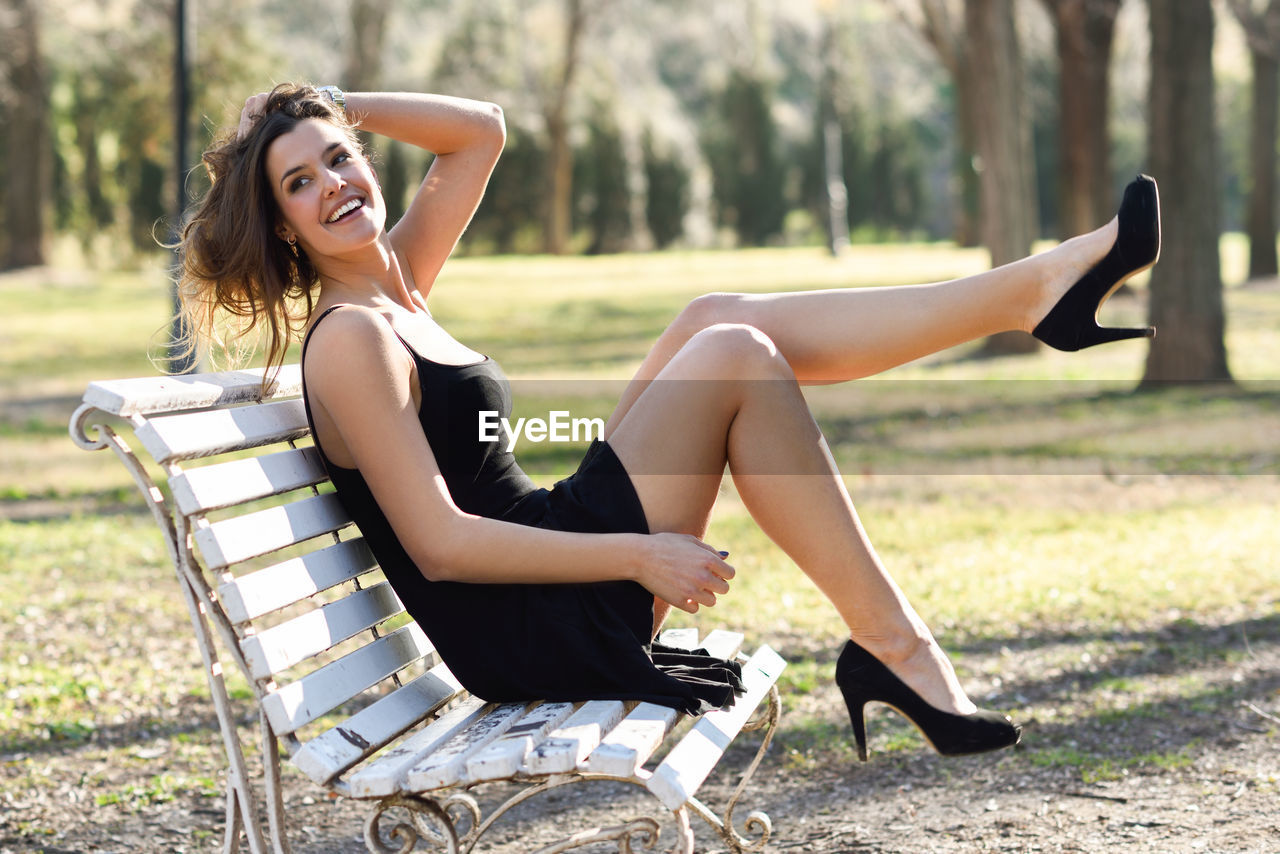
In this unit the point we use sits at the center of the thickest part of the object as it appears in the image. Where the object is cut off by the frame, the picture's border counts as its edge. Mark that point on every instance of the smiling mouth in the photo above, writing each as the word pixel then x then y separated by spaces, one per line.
pixel 348 208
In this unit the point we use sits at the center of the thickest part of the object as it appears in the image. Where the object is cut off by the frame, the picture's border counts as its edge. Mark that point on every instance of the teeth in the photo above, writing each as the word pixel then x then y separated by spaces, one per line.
pixel 349 206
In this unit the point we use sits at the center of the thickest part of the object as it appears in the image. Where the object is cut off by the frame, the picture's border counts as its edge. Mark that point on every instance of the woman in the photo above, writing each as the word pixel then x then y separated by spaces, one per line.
pixel 575 581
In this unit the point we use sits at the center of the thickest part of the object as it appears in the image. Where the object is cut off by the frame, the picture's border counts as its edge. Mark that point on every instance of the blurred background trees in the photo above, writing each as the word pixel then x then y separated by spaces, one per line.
pixel 641 124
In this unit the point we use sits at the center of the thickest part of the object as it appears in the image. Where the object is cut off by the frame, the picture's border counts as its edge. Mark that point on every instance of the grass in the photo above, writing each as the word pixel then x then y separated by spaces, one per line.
pixel 1033 509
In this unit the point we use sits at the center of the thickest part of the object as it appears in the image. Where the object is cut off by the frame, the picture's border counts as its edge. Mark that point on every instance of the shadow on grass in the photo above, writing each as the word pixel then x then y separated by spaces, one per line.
pixel 1114 712
pixel 912 426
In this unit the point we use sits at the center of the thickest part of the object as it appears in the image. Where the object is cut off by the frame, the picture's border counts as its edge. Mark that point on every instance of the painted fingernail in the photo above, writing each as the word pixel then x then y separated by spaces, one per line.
pixel 724 554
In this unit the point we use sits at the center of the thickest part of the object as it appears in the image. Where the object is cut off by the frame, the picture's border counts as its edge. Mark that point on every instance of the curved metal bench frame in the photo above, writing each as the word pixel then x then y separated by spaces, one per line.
pixel 447 819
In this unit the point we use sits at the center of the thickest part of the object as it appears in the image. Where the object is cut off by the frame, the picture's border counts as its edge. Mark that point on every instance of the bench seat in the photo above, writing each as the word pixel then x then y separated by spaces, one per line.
pixel 345 684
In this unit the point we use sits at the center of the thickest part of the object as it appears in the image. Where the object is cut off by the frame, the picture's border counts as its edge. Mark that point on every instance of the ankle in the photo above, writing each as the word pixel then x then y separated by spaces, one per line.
pixel 896 649
pixel 1063 267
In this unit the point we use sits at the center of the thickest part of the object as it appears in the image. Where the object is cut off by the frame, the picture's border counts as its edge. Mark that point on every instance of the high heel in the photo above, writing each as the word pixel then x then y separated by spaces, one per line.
pixel 863 679
pixel 1072 324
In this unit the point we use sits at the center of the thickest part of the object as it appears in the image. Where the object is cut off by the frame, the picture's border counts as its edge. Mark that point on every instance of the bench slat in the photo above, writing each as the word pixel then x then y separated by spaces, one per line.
pixel 633 741
pixel 678 777
pixel 385 775
pixel 280 647
pixel 225 484
pixel 318 693
pixel 145 395
pixel 570 744
pixel 169 438
pixel 275 587
pixel 242 537
pixel 630 744
pixel 446 765
pixel 334 751
pixel 504 756
pixel 722 643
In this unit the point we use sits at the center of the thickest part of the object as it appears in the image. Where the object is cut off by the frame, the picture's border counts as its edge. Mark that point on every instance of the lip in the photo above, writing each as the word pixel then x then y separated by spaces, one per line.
pixel 354 198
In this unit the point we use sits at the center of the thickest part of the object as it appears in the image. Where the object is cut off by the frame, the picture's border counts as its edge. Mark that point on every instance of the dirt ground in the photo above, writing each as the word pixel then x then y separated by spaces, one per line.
pixel 1156 741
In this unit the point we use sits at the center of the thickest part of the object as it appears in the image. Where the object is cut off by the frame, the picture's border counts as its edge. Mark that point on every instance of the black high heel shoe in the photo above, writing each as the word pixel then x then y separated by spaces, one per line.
pixel 1072 324
pixel 863 679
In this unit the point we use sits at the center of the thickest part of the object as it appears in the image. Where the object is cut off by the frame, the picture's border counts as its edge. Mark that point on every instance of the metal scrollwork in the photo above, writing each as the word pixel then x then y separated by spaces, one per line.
pixel 455 823
pixel 463 812
pixel 428 821
pixel 757 823
pixel 641 831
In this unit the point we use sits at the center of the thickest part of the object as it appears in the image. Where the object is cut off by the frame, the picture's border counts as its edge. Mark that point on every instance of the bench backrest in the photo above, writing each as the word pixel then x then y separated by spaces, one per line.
pixel 276 565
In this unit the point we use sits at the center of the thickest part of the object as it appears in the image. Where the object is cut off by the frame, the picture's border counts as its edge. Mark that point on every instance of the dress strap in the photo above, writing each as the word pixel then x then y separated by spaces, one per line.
pixel 306 404
pixel 328 311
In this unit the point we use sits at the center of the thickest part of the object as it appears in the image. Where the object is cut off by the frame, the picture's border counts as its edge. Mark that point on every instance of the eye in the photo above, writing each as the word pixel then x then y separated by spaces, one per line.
pixel 297 184
pixel 341 157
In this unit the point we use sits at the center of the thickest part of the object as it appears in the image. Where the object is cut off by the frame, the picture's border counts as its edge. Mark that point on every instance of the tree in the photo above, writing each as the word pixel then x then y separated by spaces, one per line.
pixel 1085 30
pixel 743 150
pixel 601 182
pixel 27 138
pixel 363 73
pixel 1262 31
pixel 556 113
pixel 1186 286
pixel 667 191
pixel 941 23
pixel 1002 136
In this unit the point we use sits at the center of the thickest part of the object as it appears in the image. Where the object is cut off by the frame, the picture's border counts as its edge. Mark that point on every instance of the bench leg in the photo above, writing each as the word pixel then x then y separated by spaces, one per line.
pixel 641 832
pixel 428 820
pixel 757 823
pixel 453 824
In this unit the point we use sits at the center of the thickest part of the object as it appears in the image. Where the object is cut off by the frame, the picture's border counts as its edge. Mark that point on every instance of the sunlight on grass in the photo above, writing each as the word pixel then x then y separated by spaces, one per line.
pixel 1012 498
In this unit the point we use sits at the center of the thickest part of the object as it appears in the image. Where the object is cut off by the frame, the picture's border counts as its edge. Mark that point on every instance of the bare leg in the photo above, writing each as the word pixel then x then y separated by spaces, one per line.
pixel 731 397
pixel 842 334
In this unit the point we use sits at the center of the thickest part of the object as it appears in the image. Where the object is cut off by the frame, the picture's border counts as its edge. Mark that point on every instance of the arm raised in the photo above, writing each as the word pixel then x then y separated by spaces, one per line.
pixel 358 380
pixel 466 138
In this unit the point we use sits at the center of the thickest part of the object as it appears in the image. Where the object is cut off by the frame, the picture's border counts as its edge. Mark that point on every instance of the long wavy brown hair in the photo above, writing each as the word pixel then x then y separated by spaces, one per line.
pixel 233 259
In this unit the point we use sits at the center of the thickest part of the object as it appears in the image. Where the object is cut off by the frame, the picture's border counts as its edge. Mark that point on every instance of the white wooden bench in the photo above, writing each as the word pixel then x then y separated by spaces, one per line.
pixel 344 682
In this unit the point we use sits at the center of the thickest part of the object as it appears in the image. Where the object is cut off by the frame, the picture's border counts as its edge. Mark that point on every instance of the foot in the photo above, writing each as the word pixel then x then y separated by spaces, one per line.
pixel 1064 265
pixel 925 669
pixel 1071 323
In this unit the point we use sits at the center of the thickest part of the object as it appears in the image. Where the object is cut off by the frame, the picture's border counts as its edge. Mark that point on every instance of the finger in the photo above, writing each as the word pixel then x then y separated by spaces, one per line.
pixel 717 585
pixel 723 570
pixel 709 548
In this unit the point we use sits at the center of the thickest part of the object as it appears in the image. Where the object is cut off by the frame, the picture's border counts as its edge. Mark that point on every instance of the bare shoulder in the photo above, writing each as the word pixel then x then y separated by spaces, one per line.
pixel 353 348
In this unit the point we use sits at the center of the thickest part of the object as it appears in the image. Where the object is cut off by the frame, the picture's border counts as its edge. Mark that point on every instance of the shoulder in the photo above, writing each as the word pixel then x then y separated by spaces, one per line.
pixel 352 346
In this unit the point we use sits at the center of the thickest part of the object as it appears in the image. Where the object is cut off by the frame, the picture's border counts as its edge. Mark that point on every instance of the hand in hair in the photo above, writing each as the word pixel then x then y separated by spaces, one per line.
pixel 253 107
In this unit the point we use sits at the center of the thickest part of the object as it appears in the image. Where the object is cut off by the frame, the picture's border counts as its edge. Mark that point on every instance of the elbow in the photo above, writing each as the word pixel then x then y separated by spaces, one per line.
pixel 431 570
pixel 434 564
pixel 496 124
pixel 440 558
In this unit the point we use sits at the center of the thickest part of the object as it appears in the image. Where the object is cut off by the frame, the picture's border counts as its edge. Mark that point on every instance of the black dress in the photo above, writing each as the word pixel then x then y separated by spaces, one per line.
pixel 514 642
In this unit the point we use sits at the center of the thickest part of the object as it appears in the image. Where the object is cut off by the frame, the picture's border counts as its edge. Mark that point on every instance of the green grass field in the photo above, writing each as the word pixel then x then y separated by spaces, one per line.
pixel 1019 501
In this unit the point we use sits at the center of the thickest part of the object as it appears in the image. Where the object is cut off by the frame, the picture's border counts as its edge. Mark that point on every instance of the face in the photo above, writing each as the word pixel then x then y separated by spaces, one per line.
pixel 327 194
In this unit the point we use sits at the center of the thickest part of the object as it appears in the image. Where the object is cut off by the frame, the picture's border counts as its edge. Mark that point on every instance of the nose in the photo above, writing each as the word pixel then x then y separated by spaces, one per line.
pixel 333 182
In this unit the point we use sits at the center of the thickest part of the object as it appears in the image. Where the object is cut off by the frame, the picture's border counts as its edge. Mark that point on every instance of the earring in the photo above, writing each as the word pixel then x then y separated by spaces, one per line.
pixel 292 240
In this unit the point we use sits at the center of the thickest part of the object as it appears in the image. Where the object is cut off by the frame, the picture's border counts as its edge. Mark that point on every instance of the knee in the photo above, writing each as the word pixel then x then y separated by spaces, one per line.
pixel 740 350
pixel 708 310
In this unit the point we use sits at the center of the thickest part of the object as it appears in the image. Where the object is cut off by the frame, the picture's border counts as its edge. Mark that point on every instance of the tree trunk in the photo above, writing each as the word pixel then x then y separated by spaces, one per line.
pixel 27 130
pixel 938 26
pixel 968 231
pixel 1085 29
pixel 1186 286
pixel 368 38
pixel 559 223
pixel 1262 134
pixel 1003 138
